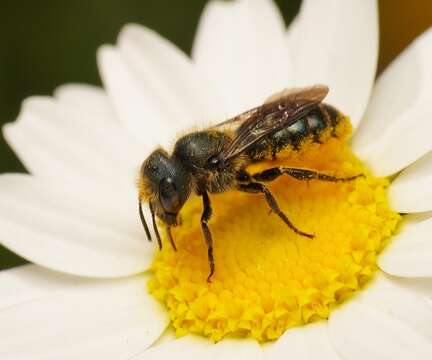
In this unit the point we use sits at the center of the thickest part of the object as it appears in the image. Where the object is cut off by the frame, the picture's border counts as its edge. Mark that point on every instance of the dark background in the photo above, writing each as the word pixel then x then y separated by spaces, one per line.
pixel 47 43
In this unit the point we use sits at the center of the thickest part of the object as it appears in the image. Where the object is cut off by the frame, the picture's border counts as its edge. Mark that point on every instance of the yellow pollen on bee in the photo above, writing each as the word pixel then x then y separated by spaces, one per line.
pixel 267 278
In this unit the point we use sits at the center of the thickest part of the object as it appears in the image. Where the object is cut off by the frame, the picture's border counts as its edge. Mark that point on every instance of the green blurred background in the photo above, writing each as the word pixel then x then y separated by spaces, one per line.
pixel 47 43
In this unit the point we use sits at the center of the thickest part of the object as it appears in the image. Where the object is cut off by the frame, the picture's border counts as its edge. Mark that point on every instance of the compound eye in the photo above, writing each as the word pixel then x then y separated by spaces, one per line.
pixel 169 196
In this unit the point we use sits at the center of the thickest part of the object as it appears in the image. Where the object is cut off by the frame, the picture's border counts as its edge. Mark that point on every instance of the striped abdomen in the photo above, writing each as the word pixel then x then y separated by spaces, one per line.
pixel 318 126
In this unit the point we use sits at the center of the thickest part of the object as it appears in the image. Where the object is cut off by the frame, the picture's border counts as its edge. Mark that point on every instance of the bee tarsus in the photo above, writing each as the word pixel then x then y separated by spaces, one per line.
pixel 271 201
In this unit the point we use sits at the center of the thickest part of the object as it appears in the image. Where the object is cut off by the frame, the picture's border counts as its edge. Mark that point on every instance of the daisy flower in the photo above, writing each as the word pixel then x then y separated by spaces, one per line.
pixel 360 290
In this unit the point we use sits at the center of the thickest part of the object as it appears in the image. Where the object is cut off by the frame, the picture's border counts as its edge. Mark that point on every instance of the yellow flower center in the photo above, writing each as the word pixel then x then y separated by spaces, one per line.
pixel 267 278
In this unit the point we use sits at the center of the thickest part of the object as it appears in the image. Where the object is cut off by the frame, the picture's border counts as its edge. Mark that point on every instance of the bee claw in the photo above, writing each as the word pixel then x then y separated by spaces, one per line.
pixel 309 236
pixel 356 177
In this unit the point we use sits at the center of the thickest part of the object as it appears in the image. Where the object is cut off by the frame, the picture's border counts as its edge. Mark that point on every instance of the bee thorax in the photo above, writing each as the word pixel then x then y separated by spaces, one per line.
pixel 220 181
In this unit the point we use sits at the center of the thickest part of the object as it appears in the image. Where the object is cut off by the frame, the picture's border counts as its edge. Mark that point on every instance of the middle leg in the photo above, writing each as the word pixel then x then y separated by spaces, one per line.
pixel 205 217
pixel 271 201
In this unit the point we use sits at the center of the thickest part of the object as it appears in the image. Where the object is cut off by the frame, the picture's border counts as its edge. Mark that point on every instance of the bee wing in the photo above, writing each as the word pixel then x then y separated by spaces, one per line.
pixel 315 92
pixel 235 122
pixel 310 92
pixel 279 111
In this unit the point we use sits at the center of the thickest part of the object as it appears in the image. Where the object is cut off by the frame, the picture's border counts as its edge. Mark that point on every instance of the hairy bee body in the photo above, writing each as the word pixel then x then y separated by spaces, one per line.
pixel 316 127
pixel 194 151
pixel 216 160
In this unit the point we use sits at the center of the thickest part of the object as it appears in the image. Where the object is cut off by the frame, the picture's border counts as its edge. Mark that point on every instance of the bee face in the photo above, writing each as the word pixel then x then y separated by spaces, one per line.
pixel 167 185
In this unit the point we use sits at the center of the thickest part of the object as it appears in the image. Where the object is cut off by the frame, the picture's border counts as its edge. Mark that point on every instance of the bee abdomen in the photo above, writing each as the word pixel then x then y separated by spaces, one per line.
pixel 317 127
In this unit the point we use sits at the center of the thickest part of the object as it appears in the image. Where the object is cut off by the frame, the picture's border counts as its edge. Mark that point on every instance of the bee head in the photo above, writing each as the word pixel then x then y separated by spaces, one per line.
pixel 167 185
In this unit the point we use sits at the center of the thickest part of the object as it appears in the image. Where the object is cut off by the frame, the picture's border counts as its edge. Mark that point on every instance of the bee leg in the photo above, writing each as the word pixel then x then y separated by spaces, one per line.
pixel 271 201
pixel 155 228
pixel 143 222
pixel 171 239
pixel 205 217
pixel 300 174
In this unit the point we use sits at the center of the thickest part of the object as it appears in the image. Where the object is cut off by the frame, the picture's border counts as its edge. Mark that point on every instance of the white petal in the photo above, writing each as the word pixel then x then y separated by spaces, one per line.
pixel 375 329
pixel 73 137
pixel 309 342
pixel 168 336
pixel 89 231
pixel 411 190
pixel 399 112
pixel 90 100
pixel 337 44
pixel 87 319
pixel 409 253
pixel 235 349
pixel 172 76
pixel 402 301
pixel 240 46
pixel 146 117
pixel 28 282
pixel 422 286
pixel 194 347
pixel 187 347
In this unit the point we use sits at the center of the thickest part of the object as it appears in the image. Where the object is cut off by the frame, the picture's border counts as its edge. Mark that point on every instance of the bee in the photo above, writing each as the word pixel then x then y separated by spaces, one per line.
pixel 215 160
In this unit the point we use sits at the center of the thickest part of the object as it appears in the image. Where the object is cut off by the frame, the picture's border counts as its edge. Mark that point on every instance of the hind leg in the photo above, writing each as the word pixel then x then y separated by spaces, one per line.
pixel 271 201
pixel 299 174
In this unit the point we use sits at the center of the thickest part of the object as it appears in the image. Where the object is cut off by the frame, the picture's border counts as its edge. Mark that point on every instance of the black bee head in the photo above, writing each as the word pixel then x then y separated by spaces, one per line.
pixel 167 183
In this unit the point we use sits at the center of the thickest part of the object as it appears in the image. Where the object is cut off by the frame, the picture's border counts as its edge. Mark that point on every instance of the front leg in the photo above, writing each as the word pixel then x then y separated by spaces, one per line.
pixel 271 201
pixel 205 217
pixel 299 174
pixel 155 228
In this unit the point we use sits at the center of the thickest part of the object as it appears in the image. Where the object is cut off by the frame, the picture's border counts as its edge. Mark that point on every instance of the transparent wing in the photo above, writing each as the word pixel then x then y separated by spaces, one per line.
pixel 279 111
pixel 234 123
